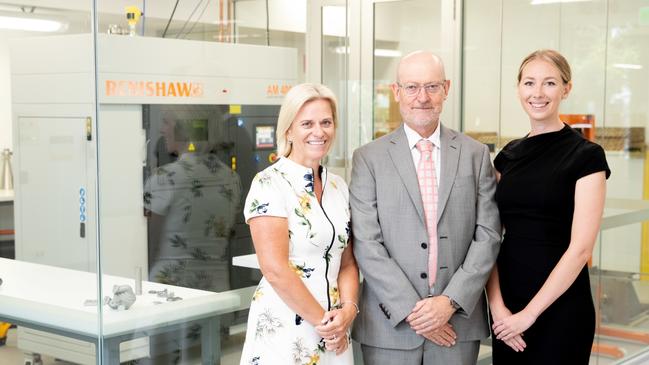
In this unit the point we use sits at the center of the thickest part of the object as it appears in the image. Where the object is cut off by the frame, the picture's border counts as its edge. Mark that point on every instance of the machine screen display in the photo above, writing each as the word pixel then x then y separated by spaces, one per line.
pixel 264 136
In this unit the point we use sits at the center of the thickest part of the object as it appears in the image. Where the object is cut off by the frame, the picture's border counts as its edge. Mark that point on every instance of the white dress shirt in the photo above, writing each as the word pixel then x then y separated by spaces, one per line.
pixel 414 137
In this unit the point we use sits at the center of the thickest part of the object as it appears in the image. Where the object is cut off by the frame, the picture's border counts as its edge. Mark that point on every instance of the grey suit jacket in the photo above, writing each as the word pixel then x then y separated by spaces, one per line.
pixel 391 241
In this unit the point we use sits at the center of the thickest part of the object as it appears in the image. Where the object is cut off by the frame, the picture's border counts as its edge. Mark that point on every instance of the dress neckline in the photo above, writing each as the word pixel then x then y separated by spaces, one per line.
pixel 535 144
pixel 561 131
pixel 300 174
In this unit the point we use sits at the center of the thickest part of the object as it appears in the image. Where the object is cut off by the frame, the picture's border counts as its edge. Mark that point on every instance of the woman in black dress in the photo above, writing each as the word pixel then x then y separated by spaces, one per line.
pixel 551 190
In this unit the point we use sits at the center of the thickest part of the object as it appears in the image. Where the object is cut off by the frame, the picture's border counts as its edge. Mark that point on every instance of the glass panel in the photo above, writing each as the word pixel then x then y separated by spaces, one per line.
pixel 400 27
pixel 48 281
pixel 278 23
pixel 184 125
pixel 335 50
pixel 602 41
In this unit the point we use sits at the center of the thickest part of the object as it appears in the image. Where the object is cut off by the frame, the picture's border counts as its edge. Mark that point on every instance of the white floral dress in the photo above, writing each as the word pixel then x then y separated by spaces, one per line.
pixel 318 235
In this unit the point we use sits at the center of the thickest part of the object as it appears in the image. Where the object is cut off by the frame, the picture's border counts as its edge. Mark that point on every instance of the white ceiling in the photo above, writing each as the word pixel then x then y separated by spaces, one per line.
pixel 204 15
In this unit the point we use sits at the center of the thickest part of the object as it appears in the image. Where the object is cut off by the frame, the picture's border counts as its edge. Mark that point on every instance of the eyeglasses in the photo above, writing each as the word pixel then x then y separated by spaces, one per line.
pixel 412 89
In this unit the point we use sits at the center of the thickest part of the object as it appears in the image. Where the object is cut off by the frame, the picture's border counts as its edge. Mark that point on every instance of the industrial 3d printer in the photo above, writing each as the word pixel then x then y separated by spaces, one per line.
pixel 152 94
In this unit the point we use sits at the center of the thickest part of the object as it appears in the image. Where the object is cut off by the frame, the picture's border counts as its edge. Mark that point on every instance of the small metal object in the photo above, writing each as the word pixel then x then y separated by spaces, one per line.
pixel 88 129
pixel 123 297
pixel 7 176
pixel 162 293
pixel 168 295
pixel 138 280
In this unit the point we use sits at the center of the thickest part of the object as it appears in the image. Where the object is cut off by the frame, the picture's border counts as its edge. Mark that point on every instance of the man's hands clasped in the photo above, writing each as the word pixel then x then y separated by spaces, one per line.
pixel 429 318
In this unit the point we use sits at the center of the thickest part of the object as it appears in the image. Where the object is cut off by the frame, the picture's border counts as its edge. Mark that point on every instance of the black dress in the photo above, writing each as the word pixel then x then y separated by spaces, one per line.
pixel 535 197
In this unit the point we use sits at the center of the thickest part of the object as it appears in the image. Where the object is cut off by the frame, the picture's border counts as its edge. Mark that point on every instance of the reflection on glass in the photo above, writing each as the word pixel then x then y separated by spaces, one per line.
pixel 193 203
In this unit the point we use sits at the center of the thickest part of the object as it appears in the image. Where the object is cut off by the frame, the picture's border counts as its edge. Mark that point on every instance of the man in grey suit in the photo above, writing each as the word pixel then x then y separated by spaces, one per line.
pixel 405 318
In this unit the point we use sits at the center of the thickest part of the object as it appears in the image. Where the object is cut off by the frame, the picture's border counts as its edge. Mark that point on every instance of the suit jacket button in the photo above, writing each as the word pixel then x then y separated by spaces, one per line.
pixel 424 245
pixel 423 275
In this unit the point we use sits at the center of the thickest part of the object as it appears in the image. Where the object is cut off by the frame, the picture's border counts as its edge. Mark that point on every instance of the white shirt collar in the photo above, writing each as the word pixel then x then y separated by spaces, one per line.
pixel 414 137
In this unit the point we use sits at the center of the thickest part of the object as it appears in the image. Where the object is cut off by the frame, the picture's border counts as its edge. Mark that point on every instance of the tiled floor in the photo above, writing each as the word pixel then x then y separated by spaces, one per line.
pixel 10 355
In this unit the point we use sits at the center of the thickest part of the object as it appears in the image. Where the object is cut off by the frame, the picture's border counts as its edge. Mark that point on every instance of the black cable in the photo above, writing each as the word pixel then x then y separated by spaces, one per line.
pixel 170 18
pixel 200 16
pixel 189 18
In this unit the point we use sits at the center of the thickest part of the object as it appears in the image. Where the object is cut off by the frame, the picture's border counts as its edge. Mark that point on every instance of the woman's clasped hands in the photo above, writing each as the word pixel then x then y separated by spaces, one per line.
pixel 510 328
pixel 334 328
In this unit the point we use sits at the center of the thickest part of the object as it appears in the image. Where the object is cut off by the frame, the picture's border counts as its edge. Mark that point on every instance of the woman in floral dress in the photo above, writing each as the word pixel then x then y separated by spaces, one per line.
pixel 299 219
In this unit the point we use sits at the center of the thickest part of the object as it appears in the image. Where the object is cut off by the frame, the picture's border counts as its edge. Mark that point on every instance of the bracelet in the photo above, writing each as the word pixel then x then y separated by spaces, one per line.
pixel 355 305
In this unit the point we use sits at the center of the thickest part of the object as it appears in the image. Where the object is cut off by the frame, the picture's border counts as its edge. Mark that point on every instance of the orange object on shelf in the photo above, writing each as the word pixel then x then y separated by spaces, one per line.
pixel 7 232
pixel 584 123
pixel 607 350
pixel 624 334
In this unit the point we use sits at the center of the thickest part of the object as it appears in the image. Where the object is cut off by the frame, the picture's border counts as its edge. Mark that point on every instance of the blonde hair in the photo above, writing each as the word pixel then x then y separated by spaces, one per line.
pixel 294 100
pixel 552 56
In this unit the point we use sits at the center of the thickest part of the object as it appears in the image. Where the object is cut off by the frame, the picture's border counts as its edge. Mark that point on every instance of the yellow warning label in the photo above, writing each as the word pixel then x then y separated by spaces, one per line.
pixel 235 109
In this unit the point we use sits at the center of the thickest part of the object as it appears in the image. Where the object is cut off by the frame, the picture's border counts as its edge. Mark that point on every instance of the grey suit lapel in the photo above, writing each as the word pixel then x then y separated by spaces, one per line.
pixel 449 156
pixel 402 160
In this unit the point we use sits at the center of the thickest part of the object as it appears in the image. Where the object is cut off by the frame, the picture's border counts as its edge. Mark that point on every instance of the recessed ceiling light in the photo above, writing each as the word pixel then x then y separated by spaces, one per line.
pixel 30 24
pixel 628 66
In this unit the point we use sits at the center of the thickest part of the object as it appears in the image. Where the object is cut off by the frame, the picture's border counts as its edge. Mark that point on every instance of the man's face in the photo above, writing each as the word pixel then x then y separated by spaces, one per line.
pixel 420 91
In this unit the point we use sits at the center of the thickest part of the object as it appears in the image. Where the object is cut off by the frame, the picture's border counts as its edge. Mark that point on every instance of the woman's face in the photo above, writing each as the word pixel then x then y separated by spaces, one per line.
pixel 312 133
pixel 541 91
pixel 167 132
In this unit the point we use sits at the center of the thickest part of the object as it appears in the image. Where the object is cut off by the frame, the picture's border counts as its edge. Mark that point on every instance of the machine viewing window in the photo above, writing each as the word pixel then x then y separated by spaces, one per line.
pixel 264 137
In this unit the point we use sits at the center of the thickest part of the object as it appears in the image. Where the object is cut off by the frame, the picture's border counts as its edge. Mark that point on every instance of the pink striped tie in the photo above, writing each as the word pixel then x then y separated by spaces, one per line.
pixel 428 189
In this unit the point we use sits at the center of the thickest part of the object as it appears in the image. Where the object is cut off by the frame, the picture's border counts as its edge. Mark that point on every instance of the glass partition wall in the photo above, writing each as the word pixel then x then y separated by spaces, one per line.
pixel 134 146
pixel 605 43
pixel 48 238
pixel 137 132
pixel 186 120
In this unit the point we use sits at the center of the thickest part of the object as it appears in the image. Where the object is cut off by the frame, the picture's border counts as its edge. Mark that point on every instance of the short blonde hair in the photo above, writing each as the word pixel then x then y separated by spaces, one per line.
pixel 552 56
pixel 293 102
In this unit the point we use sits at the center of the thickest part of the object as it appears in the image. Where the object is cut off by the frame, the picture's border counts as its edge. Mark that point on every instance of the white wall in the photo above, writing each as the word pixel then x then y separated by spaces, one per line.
pixel 5 96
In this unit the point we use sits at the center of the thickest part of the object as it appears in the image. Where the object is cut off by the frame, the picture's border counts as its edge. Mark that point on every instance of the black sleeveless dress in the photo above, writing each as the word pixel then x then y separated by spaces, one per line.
pixel 535 196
